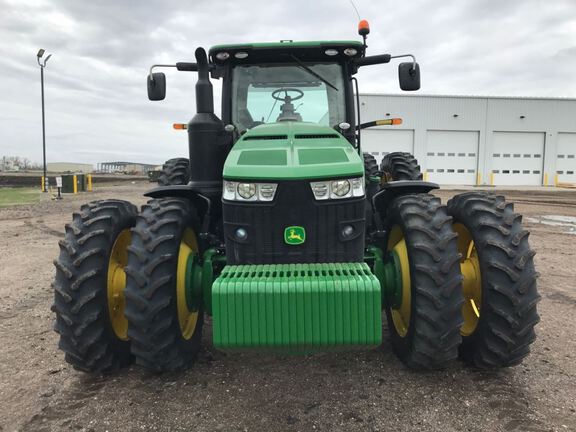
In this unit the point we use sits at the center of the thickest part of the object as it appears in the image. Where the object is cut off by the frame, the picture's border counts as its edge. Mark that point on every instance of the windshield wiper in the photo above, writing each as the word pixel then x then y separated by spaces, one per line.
pixel 311 72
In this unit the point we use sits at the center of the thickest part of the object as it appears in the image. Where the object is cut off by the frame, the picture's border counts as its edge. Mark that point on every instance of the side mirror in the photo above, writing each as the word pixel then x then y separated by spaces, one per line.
pixel 156 86
pixel 409 76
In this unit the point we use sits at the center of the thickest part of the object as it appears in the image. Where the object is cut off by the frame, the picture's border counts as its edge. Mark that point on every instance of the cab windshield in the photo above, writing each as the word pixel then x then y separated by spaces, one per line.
pixel 310 92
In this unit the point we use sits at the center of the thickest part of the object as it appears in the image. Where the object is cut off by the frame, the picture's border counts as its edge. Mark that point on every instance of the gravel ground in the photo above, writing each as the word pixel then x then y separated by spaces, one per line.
pixel 368 390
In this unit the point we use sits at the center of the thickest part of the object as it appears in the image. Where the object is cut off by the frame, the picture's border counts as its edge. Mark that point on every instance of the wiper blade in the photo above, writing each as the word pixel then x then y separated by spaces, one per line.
pixel 311 72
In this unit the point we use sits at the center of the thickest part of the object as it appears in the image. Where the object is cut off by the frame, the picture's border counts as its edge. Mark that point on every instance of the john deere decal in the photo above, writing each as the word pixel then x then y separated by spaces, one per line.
pixel 294 235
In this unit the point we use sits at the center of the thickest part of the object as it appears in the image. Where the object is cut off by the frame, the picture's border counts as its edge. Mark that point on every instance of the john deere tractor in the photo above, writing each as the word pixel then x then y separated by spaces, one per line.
pixel 291 239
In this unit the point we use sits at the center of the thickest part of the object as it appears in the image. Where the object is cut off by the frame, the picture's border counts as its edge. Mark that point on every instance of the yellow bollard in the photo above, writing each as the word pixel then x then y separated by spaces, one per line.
pixel 89 186
pixel 75 183
pixel 425 176
pixel 491 178
pixel 556 180
pixel 478 179
pixel 545 179
pixel 43 185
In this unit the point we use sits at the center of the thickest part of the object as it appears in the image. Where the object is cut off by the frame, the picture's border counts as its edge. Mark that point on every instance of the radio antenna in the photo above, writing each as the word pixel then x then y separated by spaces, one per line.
pixel 356 9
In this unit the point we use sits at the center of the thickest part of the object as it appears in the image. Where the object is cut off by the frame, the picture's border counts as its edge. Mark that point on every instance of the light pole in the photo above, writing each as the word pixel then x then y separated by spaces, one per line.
pixel 42 64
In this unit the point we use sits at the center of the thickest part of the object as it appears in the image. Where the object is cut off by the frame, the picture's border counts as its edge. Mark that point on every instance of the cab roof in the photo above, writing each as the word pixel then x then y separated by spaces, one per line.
pixel 283 50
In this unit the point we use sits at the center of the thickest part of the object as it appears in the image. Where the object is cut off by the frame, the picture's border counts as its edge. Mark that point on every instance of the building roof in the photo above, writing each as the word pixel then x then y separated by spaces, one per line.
pixel 127 163
pixel 470 96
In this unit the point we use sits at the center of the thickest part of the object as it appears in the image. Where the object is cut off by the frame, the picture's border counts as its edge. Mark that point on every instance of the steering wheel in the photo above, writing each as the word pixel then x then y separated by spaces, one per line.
pixel 276 94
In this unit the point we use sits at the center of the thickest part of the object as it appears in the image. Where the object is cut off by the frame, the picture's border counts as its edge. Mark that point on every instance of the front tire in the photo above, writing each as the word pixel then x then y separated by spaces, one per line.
pixel 164 328
pixel 499 281
pixel 425 324
pixel 89 287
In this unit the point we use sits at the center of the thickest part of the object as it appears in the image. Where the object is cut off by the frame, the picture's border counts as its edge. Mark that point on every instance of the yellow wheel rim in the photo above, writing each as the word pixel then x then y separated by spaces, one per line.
pixel 472 282
pixel 116 282
pixel 186 318
pixel 401 315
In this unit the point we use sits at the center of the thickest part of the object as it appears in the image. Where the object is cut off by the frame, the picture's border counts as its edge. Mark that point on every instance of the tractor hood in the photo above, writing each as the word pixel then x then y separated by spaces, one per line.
pixel 292 151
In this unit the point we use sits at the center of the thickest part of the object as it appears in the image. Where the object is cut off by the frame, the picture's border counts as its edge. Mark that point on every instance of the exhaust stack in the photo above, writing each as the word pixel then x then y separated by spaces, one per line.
pixel 208 142
pixel 204 93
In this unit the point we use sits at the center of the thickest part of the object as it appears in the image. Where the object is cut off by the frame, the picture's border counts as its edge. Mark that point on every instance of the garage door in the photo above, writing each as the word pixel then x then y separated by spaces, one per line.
pixel 452 157
pixel 517 158
pixel 566 158
pixel 380 142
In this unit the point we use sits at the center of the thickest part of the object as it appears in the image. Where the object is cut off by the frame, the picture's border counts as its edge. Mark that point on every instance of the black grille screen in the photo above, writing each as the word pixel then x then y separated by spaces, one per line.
pixel 294 205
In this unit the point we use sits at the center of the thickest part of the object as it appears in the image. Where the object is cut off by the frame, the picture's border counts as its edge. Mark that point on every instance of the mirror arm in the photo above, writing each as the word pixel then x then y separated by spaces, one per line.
pixel 407 55
pixel 372 60
pixel 181 66
pixel 157 66
pixel 187 67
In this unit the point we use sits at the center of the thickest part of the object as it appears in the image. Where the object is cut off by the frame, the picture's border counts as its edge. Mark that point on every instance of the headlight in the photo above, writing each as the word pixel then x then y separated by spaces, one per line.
pixel 241 191
pixel 321 190
pixel 338 189
pixel 246 190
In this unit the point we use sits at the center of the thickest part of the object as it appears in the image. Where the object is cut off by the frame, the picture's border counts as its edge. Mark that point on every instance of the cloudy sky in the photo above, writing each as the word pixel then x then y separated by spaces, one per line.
pixel 97 108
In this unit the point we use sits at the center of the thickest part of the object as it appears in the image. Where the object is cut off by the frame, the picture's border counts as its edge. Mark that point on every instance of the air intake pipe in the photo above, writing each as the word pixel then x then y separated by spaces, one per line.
pixel 208 142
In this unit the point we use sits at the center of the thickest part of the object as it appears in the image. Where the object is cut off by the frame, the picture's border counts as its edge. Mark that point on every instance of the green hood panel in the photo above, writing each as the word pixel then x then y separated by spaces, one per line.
pixel 292 151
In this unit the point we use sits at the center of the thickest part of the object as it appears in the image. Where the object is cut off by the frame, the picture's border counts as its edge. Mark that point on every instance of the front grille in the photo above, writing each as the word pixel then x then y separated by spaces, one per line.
pixel 294 205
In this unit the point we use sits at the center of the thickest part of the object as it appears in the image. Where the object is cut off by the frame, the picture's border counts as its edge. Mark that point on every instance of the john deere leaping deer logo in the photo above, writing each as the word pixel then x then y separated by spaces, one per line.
pixel 294 235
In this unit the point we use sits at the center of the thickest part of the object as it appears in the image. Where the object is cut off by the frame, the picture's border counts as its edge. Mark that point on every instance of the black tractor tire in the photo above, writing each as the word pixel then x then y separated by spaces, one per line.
pixel 508 315
pixel 80 287
pixel 175 172
pixel 370 166
pixel 372 187
pixel 432 336
pixel 151 289
pixel 400 166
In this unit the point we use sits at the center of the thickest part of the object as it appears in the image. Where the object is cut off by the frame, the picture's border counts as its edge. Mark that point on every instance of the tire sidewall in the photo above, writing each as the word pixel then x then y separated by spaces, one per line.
pixel 402 344
pixel 118 344
pixel 483 240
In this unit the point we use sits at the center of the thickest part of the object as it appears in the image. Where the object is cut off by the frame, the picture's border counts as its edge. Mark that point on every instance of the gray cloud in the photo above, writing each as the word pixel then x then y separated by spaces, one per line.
pixel 95 92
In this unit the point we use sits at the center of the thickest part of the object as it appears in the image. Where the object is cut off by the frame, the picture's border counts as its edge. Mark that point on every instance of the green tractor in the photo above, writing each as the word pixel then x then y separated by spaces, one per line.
pixel 291 239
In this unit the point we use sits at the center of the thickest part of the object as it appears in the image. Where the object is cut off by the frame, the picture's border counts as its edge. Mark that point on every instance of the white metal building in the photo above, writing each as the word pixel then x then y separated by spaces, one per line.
pixel 469 140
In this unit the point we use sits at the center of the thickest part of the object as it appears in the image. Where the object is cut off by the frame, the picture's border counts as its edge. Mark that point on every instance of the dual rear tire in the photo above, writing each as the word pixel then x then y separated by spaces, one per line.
pixel 120 287
pixel 165 329
pixel 468 282
pixel 425 324
pixel 88 287
pixel 499 285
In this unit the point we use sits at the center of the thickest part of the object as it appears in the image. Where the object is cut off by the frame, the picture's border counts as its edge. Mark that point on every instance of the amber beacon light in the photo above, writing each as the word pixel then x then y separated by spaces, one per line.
pixel 363 28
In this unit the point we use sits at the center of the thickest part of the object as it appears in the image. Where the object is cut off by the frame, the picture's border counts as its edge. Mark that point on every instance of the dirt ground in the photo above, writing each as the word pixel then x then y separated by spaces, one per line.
pixel 364 391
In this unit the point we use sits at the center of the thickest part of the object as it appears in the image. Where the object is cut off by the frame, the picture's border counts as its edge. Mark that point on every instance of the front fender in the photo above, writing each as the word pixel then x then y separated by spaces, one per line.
pixel 201 203
pixel 392 190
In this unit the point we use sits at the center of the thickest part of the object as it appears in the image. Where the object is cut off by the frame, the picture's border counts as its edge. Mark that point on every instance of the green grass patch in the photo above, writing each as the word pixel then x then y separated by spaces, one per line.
pixel 14 196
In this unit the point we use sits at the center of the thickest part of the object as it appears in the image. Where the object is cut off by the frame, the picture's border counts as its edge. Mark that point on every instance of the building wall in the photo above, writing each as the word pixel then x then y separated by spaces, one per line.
pixel 478 140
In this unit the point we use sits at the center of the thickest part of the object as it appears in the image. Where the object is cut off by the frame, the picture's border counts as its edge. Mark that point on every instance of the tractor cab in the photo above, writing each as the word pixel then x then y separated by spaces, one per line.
pixel 287 82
